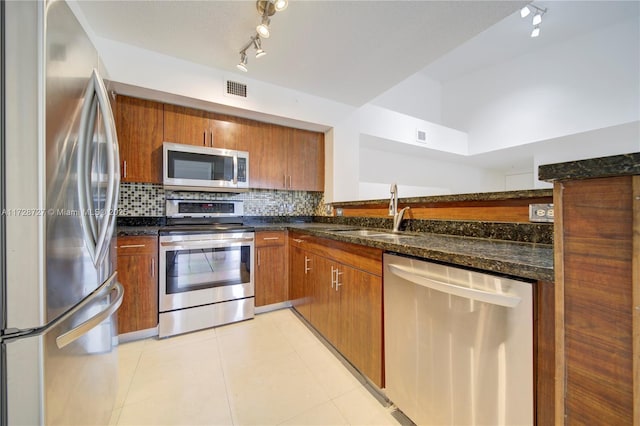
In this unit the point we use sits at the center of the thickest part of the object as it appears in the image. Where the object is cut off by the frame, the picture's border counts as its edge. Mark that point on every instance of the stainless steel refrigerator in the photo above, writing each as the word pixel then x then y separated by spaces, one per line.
pixel 59 190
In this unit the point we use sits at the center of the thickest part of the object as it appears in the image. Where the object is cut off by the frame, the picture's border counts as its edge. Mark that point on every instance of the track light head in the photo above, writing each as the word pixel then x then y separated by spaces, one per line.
pixel 258 45
pixel 280 5
pixel 535 32
pixel 242 65
pixel 525 11
pixel 537 19
pixel 263 28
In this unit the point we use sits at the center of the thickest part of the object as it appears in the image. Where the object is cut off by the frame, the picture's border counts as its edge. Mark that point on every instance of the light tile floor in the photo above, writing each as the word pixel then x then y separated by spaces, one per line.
pixel 267 371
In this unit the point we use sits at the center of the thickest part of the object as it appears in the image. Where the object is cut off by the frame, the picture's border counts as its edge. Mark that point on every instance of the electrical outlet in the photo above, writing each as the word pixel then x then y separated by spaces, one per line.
pixel 541 213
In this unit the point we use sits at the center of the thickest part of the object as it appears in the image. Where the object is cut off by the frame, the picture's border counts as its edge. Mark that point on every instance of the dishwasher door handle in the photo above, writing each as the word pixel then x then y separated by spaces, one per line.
pixel 414 275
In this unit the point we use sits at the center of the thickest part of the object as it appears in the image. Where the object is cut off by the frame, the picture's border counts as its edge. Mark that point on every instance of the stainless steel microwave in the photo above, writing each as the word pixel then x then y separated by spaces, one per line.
pixel 195 168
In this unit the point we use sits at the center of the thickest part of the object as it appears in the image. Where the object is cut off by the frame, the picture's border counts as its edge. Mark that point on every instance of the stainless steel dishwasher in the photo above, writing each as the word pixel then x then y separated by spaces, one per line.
pixel 458 344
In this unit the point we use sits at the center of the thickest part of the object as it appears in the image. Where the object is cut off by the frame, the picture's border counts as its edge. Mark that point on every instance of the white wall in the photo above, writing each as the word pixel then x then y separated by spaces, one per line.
pixel 418 96
pixel 434 176
pixel 586 83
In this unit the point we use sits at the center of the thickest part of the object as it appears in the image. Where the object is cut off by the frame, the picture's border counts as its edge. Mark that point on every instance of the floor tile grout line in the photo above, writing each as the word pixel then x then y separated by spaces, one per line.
pixel 224 378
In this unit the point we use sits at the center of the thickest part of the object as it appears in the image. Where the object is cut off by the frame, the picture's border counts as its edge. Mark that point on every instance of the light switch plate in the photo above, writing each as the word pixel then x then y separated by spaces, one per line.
pixel 541 212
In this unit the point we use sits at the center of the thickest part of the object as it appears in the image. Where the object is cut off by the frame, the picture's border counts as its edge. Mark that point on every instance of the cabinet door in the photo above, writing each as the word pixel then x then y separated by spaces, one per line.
pixel 305 161
pixel 138 273
pixel 229 132
pixel 186 125
pixel 267 156
pixel 139 125
pixel 300 284
pixel 325 300
pixel 361 321
pixel 271 277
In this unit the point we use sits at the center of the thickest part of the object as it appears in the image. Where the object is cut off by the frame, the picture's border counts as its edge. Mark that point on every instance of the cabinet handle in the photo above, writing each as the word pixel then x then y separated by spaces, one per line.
pixel 211 139
pixel 284 180
pixel 153 267
pixel 333 279
pixel 204 138
pixel 290 184
pixel 298 240
pixel 131 246
pixel 338 283
pixel 124 168
pixel 270 238
pixel 258 258
pixel 306 268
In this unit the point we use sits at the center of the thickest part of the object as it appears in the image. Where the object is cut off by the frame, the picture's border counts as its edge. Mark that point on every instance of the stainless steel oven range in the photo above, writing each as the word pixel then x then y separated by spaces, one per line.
pixel 206 266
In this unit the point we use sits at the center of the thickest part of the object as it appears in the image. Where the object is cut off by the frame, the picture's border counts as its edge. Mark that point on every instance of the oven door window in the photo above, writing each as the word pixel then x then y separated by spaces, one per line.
pixel 197 269
pixel 187 165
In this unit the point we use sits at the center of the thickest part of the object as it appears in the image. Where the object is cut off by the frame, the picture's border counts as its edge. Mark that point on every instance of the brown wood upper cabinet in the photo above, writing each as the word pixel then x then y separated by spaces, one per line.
pixel 139 125
pixel 286 158
pixel 279 157
pixel 196 127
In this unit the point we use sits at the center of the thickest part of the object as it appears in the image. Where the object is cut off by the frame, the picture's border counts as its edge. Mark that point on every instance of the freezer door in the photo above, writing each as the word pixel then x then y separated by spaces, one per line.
pixel 77 382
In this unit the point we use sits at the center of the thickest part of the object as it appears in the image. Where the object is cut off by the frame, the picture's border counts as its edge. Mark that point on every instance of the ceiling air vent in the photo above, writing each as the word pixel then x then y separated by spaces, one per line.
pixel 236 89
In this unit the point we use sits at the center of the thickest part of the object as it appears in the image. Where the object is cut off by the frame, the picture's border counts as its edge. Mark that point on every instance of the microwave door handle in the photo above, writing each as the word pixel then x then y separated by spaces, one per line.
pixel 87 119
pixel 235 169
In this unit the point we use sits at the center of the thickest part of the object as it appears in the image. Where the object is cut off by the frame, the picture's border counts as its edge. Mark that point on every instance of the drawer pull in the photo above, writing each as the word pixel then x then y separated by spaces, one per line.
pixel 270 238
pixel 132 246
pixel 297 240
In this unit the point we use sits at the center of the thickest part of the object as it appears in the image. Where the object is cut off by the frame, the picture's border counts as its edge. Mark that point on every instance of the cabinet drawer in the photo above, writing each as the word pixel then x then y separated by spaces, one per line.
pixel 131 245
pixel 368 259
pixel 270 238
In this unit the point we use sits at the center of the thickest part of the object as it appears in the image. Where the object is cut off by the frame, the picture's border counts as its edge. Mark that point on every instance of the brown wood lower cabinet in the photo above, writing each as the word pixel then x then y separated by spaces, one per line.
pixel 138 273
pixel 337 287
pixel 271 268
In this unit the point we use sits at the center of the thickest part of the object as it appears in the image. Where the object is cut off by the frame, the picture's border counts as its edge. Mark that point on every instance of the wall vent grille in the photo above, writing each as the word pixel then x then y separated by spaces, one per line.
pixel 421 136
pixel 236 89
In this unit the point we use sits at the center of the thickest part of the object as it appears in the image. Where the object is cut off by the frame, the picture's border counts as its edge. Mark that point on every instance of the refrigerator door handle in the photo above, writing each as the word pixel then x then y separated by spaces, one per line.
pixel 413 275
pixel 97 234
pixel 77 332
pixel 113 160
pixel 104 290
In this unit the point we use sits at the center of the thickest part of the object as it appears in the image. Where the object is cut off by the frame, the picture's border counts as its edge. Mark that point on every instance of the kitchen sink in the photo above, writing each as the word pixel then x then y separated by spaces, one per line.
pixel 375 234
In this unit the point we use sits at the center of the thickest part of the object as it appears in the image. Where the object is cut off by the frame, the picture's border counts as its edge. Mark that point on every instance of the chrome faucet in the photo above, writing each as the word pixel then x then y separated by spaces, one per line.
pixel 393 208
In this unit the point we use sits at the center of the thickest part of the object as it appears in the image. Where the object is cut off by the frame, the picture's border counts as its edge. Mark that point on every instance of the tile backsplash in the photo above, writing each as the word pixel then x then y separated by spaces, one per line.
pixel 146 199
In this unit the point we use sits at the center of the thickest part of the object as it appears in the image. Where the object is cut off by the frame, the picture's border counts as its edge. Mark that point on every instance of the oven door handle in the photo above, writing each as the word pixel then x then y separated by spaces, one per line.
pixel 205 243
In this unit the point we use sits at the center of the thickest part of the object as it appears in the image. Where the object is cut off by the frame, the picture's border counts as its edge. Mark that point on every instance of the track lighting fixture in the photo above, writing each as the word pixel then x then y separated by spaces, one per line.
pixel 266 9
pixel 537 17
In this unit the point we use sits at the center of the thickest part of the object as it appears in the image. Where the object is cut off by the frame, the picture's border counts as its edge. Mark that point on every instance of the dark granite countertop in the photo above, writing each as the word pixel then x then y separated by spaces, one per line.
pixel 129 231
pixel 616 165
pixel 519 259
pixel 139 225
pixel 456 198
pixel 525 260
